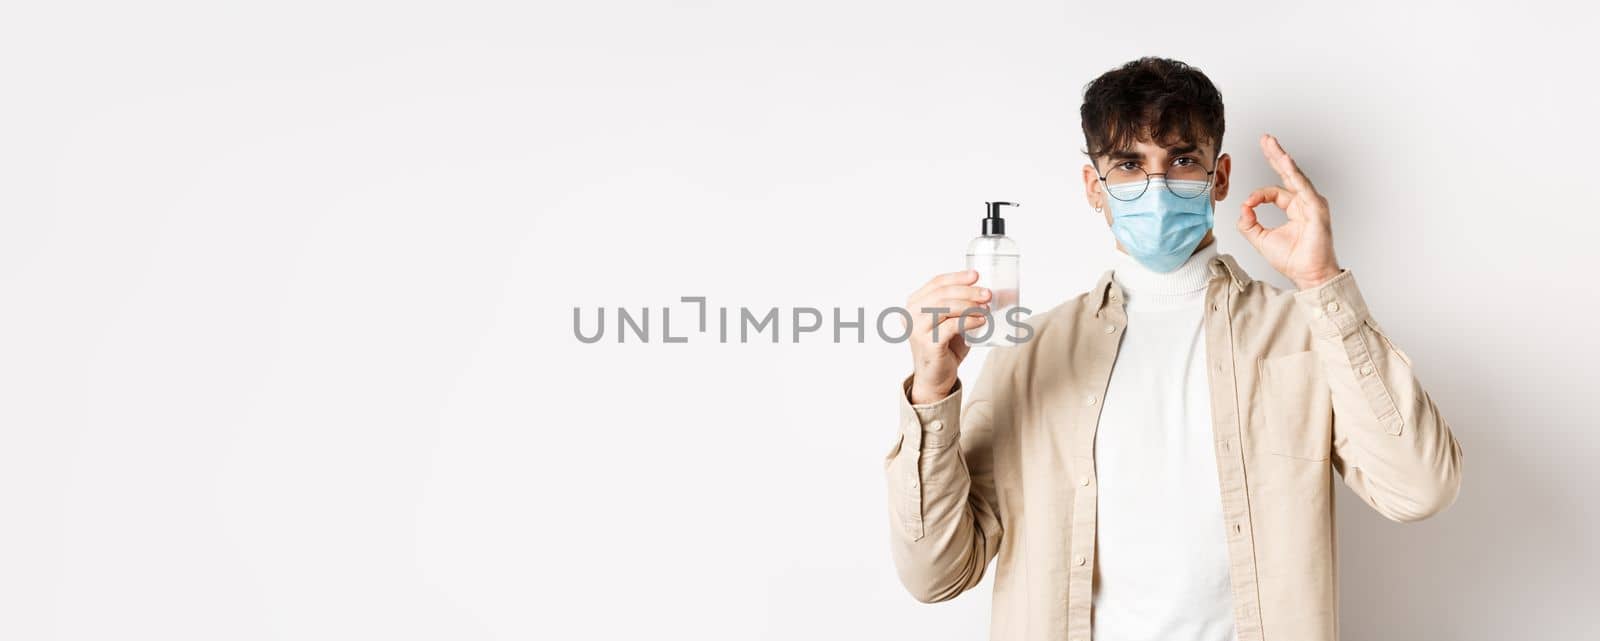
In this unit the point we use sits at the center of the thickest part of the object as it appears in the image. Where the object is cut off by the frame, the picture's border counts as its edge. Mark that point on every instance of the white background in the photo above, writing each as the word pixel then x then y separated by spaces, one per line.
pixel 286 297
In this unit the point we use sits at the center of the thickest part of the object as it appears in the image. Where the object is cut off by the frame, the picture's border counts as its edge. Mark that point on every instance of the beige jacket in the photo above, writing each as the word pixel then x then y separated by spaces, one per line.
pixel 1303 384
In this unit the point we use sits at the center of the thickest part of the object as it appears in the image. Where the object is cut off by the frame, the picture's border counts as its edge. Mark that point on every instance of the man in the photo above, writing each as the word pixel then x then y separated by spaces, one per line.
pixel 1156 461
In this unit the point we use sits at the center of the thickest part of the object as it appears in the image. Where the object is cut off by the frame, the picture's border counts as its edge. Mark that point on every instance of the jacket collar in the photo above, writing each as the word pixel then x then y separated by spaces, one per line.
pixel 1107 291
pixel 1225 264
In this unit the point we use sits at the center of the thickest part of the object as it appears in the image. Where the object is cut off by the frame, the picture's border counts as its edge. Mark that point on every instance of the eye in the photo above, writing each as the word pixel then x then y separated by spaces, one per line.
pixel 1126 165
pixel 1185 161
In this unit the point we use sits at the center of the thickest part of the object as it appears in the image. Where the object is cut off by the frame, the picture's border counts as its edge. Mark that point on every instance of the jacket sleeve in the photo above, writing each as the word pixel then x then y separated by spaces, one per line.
pixel 1390 445
pixel 944 525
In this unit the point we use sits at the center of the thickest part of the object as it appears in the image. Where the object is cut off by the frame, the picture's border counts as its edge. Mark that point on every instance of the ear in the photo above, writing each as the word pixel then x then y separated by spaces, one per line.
pixel 1219 190
pixel 1091 188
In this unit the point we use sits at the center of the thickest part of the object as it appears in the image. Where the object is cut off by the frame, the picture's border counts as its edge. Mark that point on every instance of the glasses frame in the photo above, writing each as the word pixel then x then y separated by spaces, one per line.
pixel 1210 173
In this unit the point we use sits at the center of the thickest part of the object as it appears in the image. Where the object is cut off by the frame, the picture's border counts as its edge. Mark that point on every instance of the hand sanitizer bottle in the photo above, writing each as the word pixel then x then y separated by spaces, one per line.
pixel 996 258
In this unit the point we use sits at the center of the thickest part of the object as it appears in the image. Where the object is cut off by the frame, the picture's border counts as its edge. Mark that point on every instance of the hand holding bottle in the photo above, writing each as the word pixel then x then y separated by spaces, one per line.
pixel 935 359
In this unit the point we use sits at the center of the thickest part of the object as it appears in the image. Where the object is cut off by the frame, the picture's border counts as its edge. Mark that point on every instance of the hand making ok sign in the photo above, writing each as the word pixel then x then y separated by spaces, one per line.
pixel 1302 247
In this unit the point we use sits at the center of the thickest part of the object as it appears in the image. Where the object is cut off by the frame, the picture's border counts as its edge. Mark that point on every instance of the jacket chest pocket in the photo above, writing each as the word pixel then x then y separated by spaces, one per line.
pixel 1297 407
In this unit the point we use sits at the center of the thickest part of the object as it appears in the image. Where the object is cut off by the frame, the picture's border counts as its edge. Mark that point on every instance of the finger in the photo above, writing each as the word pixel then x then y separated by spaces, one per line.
pixel 951 327
pixel 939 333
pixel 1250 227
pixel 1284 164
pixel 963 277
pixel 1278 196
pixel 962 292
pixel 952 306
pixel 924 317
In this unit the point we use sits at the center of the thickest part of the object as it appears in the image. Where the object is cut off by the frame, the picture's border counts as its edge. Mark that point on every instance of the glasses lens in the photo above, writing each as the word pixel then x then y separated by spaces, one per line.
pixel 1188 181
pixel 1126 183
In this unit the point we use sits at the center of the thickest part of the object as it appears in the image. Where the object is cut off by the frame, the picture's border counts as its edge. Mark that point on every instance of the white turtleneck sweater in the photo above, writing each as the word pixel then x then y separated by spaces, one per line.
pixel 1162 562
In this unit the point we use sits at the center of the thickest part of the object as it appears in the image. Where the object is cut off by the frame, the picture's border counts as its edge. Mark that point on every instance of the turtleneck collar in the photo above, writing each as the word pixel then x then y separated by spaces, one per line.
pixel 1148 286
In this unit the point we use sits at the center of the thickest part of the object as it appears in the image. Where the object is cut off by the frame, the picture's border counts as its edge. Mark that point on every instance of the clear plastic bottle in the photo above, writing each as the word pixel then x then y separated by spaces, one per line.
pixel 997 259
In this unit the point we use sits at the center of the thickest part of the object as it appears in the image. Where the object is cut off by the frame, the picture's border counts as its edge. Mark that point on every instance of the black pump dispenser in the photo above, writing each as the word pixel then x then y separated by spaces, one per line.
pixel 993 224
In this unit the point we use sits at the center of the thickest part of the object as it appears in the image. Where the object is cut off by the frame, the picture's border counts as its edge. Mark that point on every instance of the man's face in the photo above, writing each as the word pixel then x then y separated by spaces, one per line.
pixel 1156 159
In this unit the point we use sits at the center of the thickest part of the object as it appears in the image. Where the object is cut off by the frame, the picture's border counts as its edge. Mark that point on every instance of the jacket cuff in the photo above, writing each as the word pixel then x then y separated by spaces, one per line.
pixel 1336 308
pixel 930 425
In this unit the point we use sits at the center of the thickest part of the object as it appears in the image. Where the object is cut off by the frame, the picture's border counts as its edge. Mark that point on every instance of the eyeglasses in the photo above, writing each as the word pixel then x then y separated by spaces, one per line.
pixel 1185 178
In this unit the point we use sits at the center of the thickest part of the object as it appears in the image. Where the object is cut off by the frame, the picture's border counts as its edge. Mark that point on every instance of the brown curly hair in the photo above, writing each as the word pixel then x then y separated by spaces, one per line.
pixel 1156 99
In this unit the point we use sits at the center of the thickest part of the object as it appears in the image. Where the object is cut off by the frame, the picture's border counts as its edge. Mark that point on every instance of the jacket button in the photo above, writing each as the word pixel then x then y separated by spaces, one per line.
pixel 1366 370
pixel 1079 560
pixel 1090 400
pixel 936 425
pixel 1333 307
pixel 1111 329
pixel 1083 481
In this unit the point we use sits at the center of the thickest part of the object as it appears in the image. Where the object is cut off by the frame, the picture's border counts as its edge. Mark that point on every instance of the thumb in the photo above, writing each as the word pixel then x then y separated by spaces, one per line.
pixel 960 347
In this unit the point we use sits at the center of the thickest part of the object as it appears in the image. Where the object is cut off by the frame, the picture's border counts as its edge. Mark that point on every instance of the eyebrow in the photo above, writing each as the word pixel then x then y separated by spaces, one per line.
pixel 1129 154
